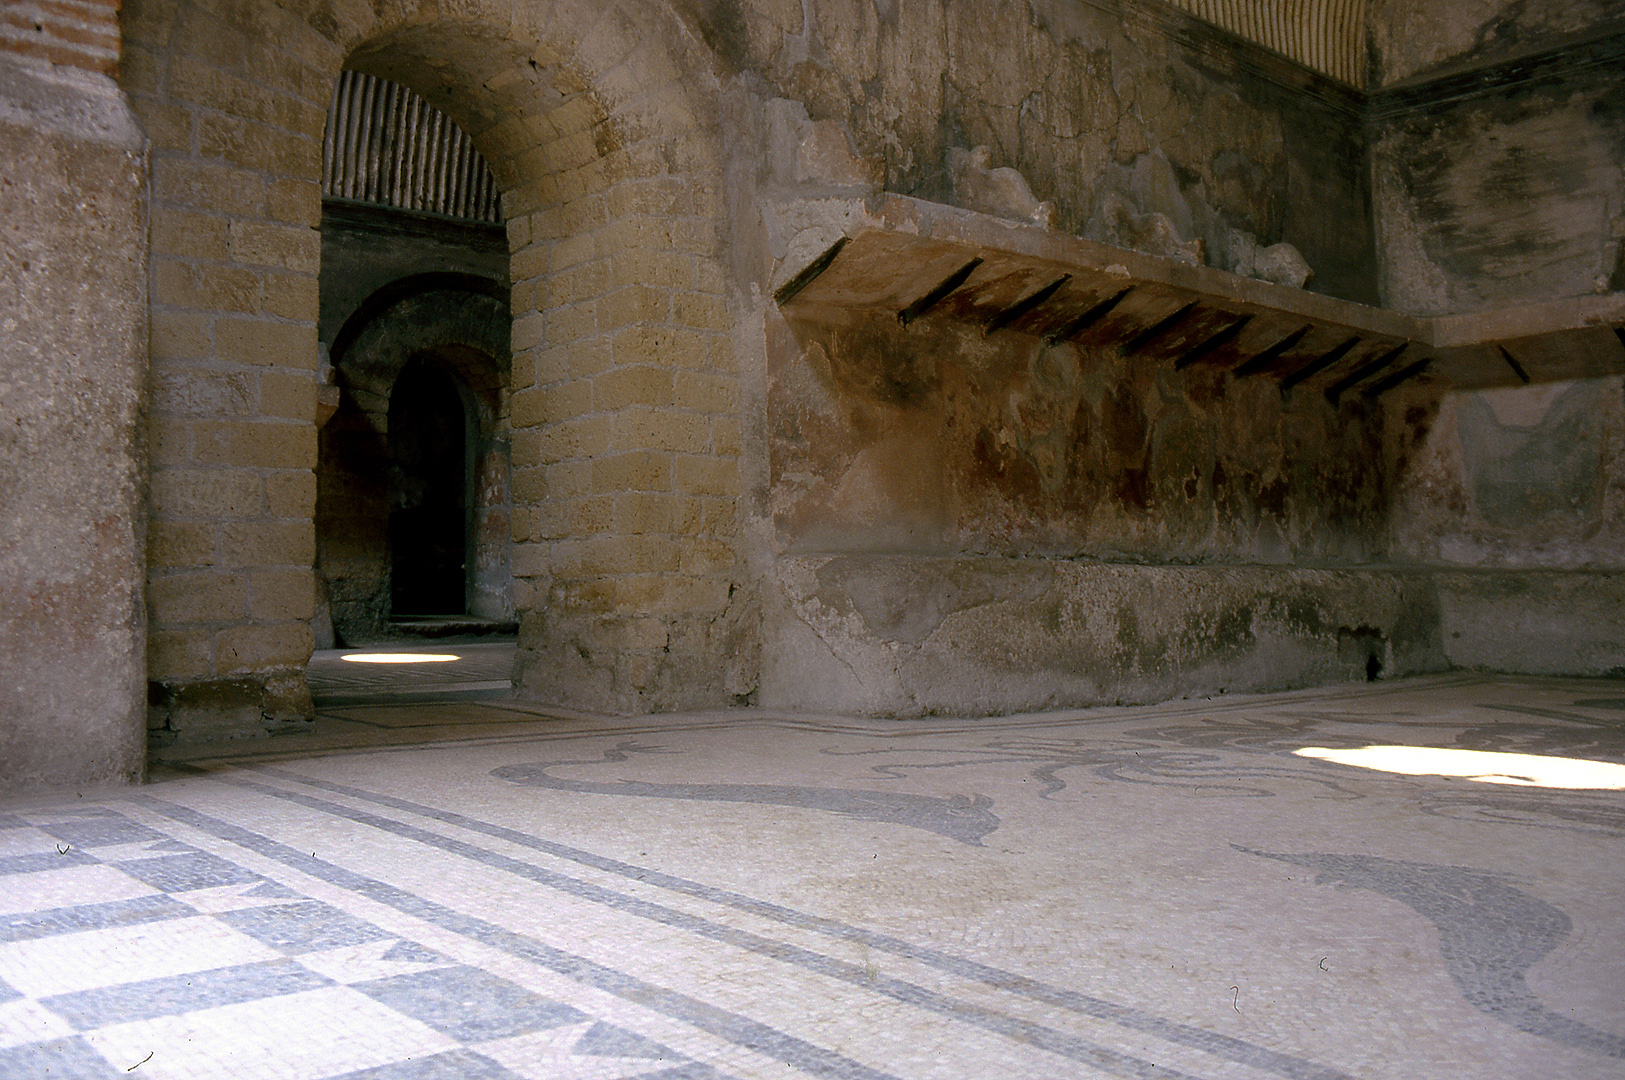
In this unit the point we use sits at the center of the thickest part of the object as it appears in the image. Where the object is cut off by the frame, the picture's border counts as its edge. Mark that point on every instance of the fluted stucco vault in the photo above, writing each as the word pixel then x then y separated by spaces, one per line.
pixel 721 494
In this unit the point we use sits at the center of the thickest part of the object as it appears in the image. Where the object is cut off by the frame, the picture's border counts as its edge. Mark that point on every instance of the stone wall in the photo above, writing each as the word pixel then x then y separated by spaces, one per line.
pixel 83 35
pixel 234 111
pixel 1499 155
pixel 714 504
pixel 1519 496
pixel 1504 185
pixel 73 326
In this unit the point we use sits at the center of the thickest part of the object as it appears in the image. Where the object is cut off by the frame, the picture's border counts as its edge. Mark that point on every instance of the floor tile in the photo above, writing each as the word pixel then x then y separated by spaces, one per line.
pixel 566 1054
pixel 100 832
pixel 69 885
pixel 70 1057
pixel 26 925
pixel 175 994
pixel 179 873
pixel 24 1021
pixel 451 1065
pixel 40 861
pixel 319 1033
pixel 247 894
pixel 469 1004
pixel 373 960
pixel 24 839
pixel 302 926
pixel 88 959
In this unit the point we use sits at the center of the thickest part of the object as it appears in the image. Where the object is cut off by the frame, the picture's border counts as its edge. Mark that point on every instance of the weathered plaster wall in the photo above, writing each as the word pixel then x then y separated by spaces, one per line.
pixel 1499 157
pixel 911 635
pixel 1417 38
pixel 979 486
pixel 1520 477
pixel 1504 185
pixel 939 439
pixel 1535 622
pixel 72 369
pixel 1521 492
pixel 1088 101
pixel 972 523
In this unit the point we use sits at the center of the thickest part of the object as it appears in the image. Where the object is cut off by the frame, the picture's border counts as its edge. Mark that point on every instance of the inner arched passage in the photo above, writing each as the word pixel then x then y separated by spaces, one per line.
pixel 413 492
pixel 429 509
pixel 411 517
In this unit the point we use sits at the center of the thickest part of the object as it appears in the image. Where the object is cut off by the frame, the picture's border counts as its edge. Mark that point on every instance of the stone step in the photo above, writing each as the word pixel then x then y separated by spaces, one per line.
pixel 439 626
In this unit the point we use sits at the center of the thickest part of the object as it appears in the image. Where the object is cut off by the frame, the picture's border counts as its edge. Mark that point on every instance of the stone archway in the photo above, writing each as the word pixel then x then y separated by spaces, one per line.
pixel 626 438
pixel 598 125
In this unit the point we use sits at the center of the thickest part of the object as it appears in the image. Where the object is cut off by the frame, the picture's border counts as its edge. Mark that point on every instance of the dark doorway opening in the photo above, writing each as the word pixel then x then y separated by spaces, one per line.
pixel 428 486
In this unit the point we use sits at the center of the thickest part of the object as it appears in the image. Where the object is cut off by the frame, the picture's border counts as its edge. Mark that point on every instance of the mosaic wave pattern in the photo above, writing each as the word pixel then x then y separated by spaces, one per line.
pixel 1156 892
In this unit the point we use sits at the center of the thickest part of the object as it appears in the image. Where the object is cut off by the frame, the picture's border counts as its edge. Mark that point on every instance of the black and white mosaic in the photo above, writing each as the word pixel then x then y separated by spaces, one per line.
pixel 1165 892
pixel 243 949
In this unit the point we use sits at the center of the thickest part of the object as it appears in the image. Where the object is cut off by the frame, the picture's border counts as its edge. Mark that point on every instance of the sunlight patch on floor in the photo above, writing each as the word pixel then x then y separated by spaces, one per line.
pixel 400 658
pixel 1523 770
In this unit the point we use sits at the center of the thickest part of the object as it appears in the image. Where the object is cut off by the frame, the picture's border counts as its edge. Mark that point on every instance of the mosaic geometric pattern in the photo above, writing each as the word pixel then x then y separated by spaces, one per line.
pixel 161 957
pixel 1154 892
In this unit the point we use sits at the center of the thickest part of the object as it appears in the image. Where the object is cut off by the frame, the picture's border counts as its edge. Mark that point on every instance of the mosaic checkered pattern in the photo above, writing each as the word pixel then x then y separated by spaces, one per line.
pixel 123 950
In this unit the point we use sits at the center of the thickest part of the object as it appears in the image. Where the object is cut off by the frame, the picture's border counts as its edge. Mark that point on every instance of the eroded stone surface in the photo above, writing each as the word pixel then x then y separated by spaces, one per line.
pixel 906 636
pixel 72 368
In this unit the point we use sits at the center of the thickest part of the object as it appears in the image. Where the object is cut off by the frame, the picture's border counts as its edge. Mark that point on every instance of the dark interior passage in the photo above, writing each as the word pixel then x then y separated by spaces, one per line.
pixel 428 508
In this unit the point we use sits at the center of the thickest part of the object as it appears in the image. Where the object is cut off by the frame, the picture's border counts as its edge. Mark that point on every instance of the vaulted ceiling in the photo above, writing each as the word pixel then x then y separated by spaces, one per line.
pixel 1371 44
pixel 1325 35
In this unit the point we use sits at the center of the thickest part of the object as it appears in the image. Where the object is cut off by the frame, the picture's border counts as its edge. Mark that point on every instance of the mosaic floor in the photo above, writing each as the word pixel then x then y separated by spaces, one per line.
pixel 1155 892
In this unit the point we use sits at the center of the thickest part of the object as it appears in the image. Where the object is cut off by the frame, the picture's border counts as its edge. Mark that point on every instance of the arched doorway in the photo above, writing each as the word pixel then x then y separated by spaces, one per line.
pixel 602 132
pixel 429 467
pixel 624 385
pixel 412 521
pixel 413 489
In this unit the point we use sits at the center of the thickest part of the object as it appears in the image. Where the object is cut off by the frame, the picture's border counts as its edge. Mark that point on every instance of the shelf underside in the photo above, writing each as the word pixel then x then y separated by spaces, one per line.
pixel 927 262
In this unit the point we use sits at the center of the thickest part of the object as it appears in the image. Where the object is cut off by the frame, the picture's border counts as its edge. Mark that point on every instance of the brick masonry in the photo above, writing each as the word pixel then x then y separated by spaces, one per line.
pixel 73 33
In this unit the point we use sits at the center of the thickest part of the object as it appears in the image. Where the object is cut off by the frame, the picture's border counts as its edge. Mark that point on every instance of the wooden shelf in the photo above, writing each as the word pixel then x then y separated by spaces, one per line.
pixel 927 261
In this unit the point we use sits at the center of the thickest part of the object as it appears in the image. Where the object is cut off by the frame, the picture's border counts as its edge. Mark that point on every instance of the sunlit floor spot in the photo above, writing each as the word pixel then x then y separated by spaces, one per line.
pixel 1523 770
pixel 399 658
